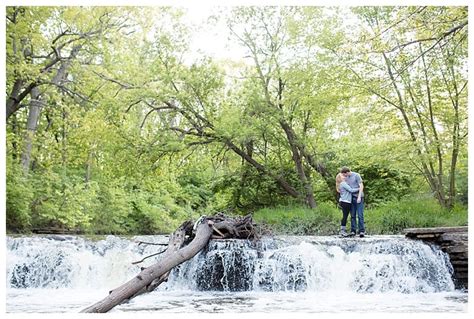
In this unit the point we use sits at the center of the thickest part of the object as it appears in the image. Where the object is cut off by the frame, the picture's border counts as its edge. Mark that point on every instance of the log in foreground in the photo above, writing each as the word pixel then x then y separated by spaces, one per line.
pixel 217 227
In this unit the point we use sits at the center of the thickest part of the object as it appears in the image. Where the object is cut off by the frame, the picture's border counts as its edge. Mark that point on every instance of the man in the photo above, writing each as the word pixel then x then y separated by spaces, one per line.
pixel 357 206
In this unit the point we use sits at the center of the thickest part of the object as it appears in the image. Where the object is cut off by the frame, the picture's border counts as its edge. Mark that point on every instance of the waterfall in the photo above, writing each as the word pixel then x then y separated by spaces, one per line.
pixel 300 264
pixel 56 261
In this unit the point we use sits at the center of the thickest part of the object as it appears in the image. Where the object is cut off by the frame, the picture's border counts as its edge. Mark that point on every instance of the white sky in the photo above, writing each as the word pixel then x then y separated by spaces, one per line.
pixel 212 39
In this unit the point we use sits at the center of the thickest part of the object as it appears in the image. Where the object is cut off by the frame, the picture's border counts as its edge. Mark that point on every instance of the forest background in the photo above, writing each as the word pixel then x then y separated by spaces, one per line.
pixel 117 124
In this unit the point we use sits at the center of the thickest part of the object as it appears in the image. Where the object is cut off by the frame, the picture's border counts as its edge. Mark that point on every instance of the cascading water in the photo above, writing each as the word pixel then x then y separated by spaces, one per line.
pixel 381 273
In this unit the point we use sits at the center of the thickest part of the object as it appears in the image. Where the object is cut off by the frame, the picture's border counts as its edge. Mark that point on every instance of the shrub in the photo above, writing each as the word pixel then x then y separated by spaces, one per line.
pixel 19 197
pixel 383 184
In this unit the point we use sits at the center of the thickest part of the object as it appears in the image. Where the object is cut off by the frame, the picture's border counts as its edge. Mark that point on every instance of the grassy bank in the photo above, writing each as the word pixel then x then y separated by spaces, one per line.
pixel 390 218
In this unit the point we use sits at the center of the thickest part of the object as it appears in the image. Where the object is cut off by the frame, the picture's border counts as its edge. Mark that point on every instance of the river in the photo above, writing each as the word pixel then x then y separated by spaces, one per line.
pixel 52 274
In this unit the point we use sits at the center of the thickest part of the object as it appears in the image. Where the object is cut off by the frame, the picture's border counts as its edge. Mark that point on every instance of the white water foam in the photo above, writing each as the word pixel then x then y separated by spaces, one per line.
pixel 286 274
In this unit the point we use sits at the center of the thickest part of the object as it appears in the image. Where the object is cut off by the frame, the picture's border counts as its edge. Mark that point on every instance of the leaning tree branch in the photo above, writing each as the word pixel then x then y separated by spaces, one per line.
pixel 113 80
pixel 180 249
pixel 143 259
pixel 149 243
pixel 438 39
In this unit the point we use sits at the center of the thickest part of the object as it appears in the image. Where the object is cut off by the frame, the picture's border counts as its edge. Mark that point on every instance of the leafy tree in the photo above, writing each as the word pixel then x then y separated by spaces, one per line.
pixel 413 59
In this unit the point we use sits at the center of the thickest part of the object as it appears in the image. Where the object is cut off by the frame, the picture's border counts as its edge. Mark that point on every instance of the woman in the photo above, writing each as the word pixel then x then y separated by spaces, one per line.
pixel 345 199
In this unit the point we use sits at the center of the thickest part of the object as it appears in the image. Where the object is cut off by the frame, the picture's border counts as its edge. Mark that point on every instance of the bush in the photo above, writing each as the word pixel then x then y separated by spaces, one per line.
pixel 19 197
pixel 110 216
pixel 382 184
pixel 248 189
pixel 61 200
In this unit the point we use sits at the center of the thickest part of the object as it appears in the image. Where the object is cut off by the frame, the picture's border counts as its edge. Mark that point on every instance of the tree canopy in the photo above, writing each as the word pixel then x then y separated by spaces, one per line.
pixel 115 124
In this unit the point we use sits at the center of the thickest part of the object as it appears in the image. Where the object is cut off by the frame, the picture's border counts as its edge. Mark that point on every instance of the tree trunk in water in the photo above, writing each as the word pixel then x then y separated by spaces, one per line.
pixel 149 278
pixel 148 275
pixel 176 241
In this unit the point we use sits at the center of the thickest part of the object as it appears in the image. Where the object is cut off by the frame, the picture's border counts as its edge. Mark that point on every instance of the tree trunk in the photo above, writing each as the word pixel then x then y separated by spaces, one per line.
pixel 89 162
pixel 309 195
pixel 454 158
pixel 437 142
pixel 433 179
pixel 280 180
pixel 31 125
pixel 176 241
pixel 64 135
pixel 13 104
pixel 245 167
pixel 323 171
pixel 148 275
pixel 35 107
pixel 455 136
pixel 217 227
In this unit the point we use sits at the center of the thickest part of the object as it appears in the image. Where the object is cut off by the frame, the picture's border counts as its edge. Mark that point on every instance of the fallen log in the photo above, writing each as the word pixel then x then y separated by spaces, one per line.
pixel 217 227
pixel 175 242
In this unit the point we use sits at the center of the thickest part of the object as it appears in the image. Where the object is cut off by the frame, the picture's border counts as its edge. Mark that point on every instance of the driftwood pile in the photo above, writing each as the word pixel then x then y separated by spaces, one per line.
pixel 188 240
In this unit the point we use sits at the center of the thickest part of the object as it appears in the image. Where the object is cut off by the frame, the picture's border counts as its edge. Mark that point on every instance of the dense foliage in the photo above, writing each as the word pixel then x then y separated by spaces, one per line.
pixel 115 125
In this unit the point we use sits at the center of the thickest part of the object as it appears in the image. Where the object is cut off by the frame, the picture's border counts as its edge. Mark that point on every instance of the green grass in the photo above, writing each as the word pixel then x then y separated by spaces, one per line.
pixel 389 218
pixel 296 220
pixel 392 218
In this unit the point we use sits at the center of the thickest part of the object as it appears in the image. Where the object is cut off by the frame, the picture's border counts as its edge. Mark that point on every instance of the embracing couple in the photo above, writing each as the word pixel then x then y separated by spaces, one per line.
pixel 350 187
